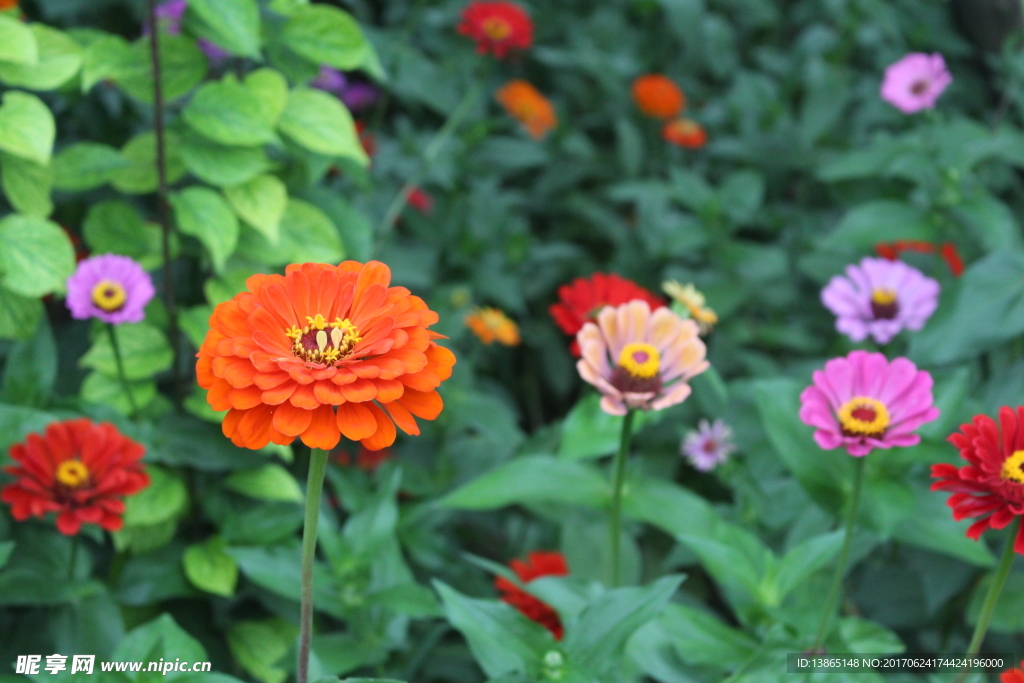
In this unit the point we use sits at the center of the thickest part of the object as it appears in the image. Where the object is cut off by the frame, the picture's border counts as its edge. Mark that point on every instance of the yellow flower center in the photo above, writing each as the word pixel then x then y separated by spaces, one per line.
pixel 324 342
pixel 72 473
pixel 640 360
pixel 883 297
pixel 1013 467
pixel 496 28
pixel 109 295
pixel 883 304
pixel 863 416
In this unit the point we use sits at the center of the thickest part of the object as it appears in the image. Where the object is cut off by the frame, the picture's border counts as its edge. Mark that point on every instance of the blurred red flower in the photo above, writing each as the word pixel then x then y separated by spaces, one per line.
pixel 78 469
pixel 991 485
pixel 420 200
pixel 367 139
pixel 684 133
pixel 658 96
pixel 1013 675
pixel 580 301
pixel 537 564
pixel 497 27
pixel 948 252
pixel 366 460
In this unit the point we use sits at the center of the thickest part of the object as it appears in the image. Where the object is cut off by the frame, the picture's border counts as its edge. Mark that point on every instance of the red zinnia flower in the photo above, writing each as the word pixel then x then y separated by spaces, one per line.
pixel 953 260
pixel 78 469
pixel 991 486
pixel 1013 675
pixel 536 566
pixel 366 460
pixel 497 27
pixel 581 301
pixel 892 251
pixel 367 139
pixel 420 200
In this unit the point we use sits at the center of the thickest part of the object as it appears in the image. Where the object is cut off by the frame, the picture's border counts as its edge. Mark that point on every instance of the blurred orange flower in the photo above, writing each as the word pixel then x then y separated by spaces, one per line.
pixel 8 4
pixel 658 96
pixel 524 103
pixel 684 133
pixel 320 352
pixel 491 325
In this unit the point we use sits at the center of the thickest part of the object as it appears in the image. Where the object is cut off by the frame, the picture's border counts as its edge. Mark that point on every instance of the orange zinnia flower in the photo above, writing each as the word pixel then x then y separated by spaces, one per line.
pixel 524 103
pixel 78 469
pixel 658 96
pixel 8 4
pixel 491 325
pixel 320 352
pixel 684 133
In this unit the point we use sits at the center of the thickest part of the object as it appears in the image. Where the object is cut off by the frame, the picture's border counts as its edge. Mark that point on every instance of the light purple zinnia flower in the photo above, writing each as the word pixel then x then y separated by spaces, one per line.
pixel 915 82
pixel 863 402
pixel 709 445
pixel 880 297
pixel 330 79
pixel 170 15
pixel 113 288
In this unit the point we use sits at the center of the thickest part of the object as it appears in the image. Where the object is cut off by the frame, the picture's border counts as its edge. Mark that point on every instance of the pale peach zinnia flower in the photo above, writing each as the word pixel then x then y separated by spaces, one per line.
pixel 638 359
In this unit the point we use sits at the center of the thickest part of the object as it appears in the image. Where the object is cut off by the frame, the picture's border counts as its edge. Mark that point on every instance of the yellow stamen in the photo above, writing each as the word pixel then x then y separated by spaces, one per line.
pixel 72 473
pixel 883 297
pixel 640 360
pixel 109 295
pixel 1012 467
pixel 496 28
pixel 863 416
pixel 333 341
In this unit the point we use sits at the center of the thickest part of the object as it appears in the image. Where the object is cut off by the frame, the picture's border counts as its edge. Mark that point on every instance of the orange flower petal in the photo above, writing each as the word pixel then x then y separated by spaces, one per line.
pixel 388 390
pixel 291 421
pixel 423 404
pixel 323 429
pixel 303 397
pixel 385 433
pixel 356 421
pixel 403 418
pixel 359 391
pixel 328 392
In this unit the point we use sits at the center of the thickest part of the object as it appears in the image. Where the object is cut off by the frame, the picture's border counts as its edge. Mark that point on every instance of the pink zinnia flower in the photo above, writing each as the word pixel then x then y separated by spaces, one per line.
pixel 709 445
pixel 915 82
pixel 880 297
pixel 865 402
pixel 113 288
pixel 639 359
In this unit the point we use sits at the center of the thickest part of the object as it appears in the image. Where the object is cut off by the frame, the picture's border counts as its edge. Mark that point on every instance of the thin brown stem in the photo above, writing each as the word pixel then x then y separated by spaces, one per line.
pixel 163 203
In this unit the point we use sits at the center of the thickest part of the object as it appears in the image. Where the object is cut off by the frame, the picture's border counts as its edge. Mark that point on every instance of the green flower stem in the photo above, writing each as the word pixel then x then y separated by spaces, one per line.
pixel 314 491
pixel 619 474
pixel 163 193
pixel 837 579
pixel 431 151
pixel 73 558
pixel 989 606
pixel 120 369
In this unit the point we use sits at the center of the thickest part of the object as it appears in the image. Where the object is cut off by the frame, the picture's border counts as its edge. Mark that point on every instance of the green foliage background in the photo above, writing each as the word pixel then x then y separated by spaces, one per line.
pixel 806 170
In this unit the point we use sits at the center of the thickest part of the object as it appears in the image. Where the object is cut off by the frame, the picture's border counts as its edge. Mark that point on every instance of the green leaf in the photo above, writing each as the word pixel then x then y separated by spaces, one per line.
pixel 988 311
pixel 270 482
pixel 278 569
pixel 805 559
pixel 211 569
pixel 741 195
pixel 880 220
pixel 825 475
pixel 932 527
pixel 222 165
pixel 166 498
pixel 701 638
pixel 502 640
pixel 6 548
pixel 116 227
pixel 668 506
pixel 160 638
pixel 26 127
pixel 183 66
pixel 86 166
pixel 27 185
pixel 589 432
pixel 735 558
pixel 231 114
pixel 261 203
pixel 139 176
pixel 531 479
pixel 36 256
pixel 59 59
pixel 17 42
pixel 306 235
pixel 325 35
pixel 145 352
pixel 232 24
pixel 866 637
pixel 19 315
pixel 259 647
pixel 271 87
pixel 604 626
pixel 31 369
pixel 991 221
pixel 102 389
pixel 205 215
pixel 322 124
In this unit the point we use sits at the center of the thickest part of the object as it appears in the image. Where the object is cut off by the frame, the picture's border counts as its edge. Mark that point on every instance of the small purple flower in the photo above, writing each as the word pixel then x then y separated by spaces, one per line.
pixel 213 51
pixel 330 80
pixel 356 95
pixel 169 14
pixel 709 445
pixel 915 82
pixel 880 298
pixel 113 288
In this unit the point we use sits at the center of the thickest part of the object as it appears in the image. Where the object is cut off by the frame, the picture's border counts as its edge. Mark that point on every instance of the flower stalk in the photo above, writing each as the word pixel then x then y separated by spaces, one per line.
pixel 314 492
pixel 992 597
pixel 121 374
pixel 619 477
pixel 837 579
